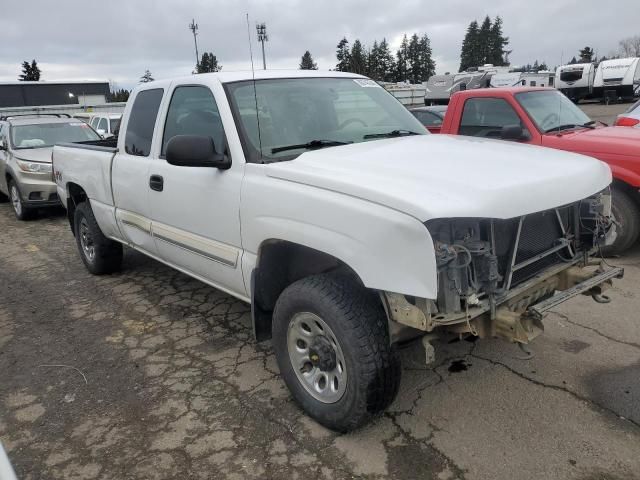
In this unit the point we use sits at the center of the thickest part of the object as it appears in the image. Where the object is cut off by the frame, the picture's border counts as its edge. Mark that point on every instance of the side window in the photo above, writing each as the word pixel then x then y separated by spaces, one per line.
pixel 193 111
pixel 102 125
pixel 94 122
pixel 142 120
pixel 485 117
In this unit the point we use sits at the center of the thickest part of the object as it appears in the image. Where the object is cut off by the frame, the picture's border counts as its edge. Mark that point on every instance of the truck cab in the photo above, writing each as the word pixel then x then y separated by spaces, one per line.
pixel 547 118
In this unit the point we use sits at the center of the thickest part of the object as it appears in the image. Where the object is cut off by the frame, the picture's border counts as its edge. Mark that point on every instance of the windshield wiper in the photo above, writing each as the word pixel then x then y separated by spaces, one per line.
pixel 571 125
pixel 312 145
pixel 391 134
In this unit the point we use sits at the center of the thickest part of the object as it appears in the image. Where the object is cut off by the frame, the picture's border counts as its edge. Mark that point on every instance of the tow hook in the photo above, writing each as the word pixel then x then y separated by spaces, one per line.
pixel 598 297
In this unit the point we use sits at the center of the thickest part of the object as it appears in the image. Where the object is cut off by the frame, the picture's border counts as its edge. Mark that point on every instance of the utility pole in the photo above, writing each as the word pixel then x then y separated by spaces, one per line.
pixel 261 28
pixel 194 28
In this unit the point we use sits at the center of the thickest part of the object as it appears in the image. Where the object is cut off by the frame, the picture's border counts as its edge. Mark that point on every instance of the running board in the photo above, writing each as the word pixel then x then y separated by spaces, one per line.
pixel 539 309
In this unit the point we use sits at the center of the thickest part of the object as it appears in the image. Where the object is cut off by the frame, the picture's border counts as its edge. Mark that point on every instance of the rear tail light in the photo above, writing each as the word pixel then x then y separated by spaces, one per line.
pixel 627 122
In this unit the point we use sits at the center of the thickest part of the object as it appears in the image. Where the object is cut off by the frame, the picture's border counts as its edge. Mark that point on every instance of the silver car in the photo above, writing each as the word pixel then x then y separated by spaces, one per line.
pixel 25 158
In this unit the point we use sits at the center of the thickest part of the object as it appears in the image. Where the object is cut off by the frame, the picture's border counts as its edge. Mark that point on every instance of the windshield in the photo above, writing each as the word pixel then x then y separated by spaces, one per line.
pixel 314 113
pixel 550 109
pixel 41 135
pixel 571 74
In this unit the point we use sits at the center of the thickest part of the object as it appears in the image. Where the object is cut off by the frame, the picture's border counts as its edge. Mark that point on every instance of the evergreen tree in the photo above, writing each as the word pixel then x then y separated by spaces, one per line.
pixel 586 55
pixel 402 65
pixel 358 59
pixel 469 54
pixel 484 42
pixel 374 69
pixel 413 59
pixel 146 77
pixel 343 55
pixel 208 63
pixel 427 64
pixel 118 95
pixel 307 63
pixel 386 62
pixel 497 44
pixel 30 72
pixel 573 61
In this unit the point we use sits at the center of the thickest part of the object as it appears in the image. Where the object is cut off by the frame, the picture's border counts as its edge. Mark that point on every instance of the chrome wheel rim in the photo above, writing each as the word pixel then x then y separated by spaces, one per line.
pixel 316 357
pixel 15 200
pixel 86 241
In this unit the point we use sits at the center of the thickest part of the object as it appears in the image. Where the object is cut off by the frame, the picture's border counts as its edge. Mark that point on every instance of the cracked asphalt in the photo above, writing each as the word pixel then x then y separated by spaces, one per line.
pixel 150 374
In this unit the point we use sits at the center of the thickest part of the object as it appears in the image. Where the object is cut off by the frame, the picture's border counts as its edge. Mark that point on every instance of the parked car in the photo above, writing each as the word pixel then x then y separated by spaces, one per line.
pixel 320 200
pixel 25 158
pixel 546 117
pixel 106 124
pixel 431 117
pixel 631 117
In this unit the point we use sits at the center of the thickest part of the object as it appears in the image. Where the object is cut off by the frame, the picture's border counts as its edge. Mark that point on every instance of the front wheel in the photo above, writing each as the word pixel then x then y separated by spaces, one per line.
pixel 99 254
pixel 19 209
pixel 332 345
pixel 627 215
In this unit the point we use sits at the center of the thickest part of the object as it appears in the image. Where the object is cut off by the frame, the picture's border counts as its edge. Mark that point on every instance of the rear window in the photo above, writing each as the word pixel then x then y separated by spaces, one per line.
pixel 142 120
pixel 42 135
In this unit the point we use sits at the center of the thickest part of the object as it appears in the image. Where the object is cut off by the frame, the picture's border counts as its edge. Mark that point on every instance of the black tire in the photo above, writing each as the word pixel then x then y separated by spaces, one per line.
pixel 21 211
pixel 627 215
pixel 3 198
pixel 107 254
pixel 359 323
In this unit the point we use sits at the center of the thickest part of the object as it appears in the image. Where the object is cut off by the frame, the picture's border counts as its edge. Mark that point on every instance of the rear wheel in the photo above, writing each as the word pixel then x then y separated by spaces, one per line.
pixel 332 345
pixel 627 215
pixel 99 254
pixel 19 209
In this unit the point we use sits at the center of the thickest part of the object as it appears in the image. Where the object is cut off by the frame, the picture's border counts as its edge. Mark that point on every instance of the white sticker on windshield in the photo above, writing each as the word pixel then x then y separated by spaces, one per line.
pixel 366 82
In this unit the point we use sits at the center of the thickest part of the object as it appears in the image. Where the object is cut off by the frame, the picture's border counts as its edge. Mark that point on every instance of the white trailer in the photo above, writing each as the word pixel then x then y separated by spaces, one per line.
pixel 576 81
pixel 438 89
pixel 618 78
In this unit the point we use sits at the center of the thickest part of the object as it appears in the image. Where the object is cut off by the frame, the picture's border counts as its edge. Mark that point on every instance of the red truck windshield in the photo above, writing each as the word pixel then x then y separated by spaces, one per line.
pixel 551 110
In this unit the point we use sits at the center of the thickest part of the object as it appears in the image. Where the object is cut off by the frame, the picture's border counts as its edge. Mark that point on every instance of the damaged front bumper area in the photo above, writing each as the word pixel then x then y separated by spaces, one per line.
pixel 498 277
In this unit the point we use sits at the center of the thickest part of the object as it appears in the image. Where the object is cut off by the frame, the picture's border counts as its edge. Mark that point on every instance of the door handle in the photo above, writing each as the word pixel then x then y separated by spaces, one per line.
pixel 156 182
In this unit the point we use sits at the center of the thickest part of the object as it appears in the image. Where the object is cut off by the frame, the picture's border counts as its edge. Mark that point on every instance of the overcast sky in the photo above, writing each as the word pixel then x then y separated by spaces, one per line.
pixel 118 39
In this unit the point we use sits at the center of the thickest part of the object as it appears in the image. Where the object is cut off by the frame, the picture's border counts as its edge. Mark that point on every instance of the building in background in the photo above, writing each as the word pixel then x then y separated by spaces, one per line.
pixel 81 93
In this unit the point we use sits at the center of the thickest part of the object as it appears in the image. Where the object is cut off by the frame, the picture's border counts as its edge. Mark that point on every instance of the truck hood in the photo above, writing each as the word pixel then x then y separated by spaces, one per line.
pixel 605 140
pixel 34 154
pixel 439 176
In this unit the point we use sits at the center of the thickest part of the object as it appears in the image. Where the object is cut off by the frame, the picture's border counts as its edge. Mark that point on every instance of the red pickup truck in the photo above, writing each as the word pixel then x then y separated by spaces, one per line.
pixel 544 116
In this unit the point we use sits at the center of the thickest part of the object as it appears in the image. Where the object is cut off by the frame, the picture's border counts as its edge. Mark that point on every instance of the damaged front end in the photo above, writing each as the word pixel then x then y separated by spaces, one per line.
pixel 498 277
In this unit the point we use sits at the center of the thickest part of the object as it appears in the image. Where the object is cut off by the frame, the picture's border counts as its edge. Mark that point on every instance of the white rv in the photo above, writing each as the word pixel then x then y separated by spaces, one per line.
pixel 523 79
pixel 617 78
pixel 576 81
pixel 438 89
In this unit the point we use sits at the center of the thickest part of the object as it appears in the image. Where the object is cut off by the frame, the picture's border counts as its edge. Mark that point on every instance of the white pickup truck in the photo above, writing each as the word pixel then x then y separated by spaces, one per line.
pixel 319 199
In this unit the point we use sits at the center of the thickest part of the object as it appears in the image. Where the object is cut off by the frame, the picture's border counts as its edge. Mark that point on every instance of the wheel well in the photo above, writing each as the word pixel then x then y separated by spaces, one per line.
pixel 76 195
pixel 628 189
pixel 280 263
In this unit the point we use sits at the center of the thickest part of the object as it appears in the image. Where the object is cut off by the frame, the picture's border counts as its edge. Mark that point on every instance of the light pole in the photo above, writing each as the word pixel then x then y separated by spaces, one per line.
pixel 193 26
pixel 261 28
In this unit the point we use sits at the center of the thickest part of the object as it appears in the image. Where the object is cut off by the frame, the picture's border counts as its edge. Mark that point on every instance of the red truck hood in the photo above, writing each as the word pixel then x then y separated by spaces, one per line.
pixel 604 140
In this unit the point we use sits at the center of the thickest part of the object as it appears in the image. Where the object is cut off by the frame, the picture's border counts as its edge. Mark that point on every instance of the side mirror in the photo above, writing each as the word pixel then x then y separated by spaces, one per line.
pixel 195 151
pixel 101 132
pixel 513 132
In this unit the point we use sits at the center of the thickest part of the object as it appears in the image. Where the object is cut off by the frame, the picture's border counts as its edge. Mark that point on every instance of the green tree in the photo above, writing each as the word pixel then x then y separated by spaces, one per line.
pixel 343 55
pixel 573 61
pixel 386 62
pixel 146 77
pixel 307 63
pixel 402 61
pixel 470 52
pixel 427 64
pixel 358 58
pixel 374 69
pixel 497 44
pixel 586 55
pixel 484 42
pixel 118 95
pixel 30 72
pixel 208 63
